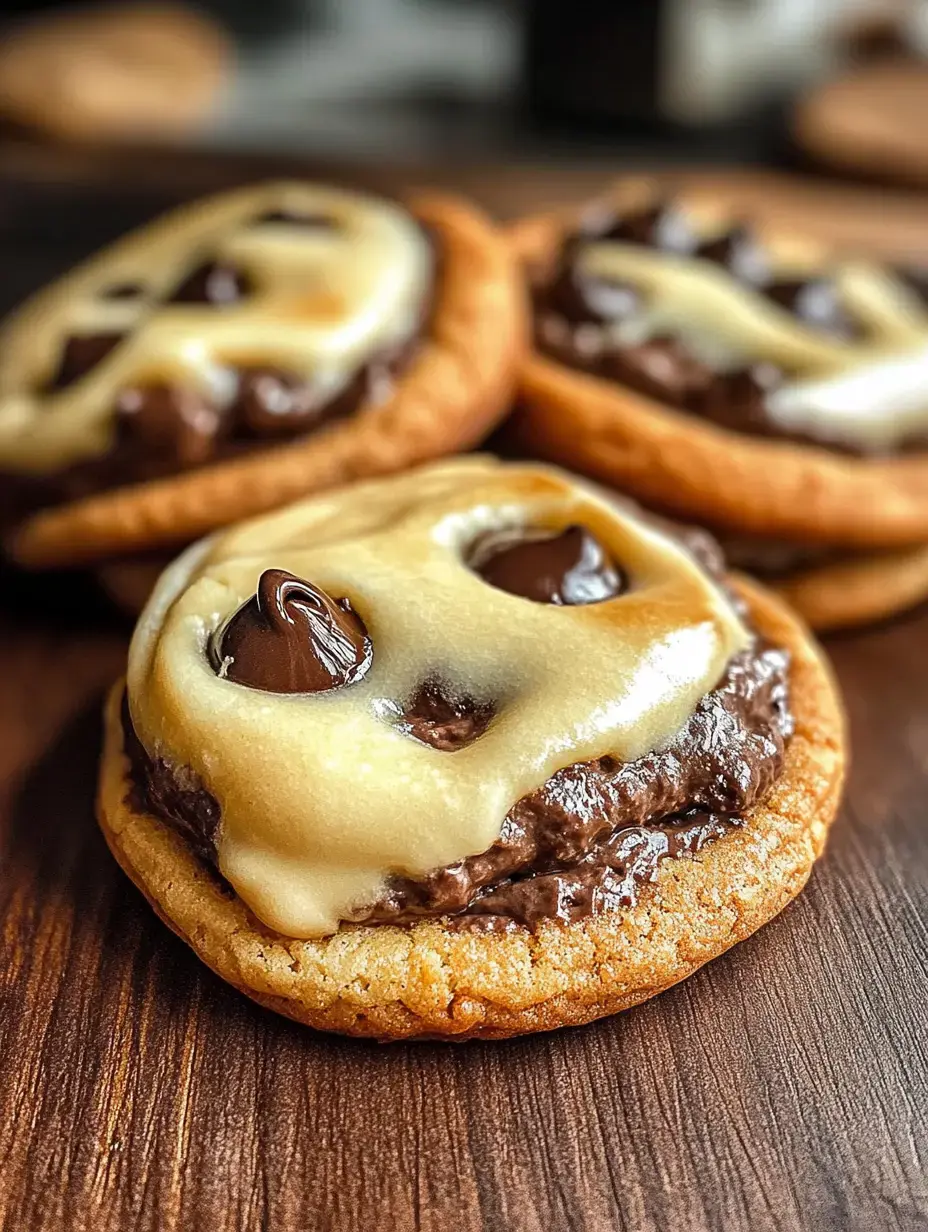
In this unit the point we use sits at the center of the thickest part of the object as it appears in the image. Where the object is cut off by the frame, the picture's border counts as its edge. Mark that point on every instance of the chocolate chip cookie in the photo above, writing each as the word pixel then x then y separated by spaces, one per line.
pixel 243 351
pixel 471 751
pixel 748 380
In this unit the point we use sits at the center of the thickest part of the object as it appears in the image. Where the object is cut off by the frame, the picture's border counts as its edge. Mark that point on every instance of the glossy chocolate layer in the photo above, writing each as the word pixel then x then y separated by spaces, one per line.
pixel 291 637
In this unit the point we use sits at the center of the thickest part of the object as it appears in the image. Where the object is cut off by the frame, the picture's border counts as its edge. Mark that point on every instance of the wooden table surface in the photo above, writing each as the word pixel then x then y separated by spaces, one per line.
pixel 785 1086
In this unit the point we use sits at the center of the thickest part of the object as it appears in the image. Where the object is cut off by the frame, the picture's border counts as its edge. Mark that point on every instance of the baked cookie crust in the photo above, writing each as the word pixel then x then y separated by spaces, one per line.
pixel 458 386
pixel 430 981
pixel 699 470
pixel 859 591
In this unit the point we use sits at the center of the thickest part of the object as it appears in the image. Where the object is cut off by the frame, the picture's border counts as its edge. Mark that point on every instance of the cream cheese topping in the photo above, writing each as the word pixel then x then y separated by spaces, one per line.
pixel 862 392
pixel 323 796
pixel 880 405
pixel 323 300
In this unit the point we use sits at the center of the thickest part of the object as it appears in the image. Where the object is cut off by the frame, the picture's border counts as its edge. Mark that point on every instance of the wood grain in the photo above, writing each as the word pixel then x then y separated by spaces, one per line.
pixel 783 1087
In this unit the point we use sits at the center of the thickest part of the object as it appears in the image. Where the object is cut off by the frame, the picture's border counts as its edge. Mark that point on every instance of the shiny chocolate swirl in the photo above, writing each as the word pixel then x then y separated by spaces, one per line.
pixel 291 637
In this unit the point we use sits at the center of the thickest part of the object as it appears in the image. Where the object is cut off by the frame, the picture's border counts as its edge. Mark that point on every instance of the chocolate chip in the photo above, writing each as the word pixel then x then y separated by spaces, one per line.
pixel 576 296
pixel 312 220
pixel 815 301
pixel 445 722
pixel 662 367
pixel 80 354
pixel 662 226
pixel 566 568
pixel 271 402
pixel 169 421
pixel 738 251
pixel 123 290
pixel 216 282
pixel 291 637
pixel 738 399
pixel 915 278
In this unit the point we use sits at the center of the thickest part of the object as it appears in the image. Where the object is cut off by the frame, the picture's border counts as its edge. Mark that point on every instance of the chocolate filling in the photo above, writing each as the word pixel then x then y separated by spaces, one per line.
pixel 777 558
pixel 576 316
pixel 594 832
pixel 163 428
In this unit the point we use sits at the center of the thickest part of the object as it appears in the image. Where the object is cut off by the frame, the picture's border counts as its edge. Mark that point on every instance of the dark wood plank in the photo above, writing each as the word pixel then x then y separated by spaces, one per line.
pixel 783 1087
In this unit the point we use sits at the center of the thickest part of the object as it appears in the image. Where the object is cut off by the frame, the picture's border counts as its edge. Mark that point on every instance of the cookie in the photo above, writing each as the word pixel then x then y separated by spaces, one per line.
pixel 124 71
pixel 869 121
pixel 747 380
pixel 859 590
pixel 245 351
pixel 486 634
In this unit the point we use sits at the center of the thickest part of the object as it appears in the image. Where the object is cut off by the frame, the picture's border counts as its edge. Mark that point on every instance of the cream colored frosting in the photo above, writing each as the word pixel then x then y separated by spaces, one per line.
pixel 324 299
pixel 728 324
pixel 879 404
pixel 322 796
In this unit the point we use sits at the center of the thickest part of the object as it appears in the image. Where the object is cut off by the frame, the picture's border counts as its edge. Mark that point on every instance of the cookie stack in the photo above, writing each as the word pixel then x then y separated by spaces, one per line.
pixel 415 746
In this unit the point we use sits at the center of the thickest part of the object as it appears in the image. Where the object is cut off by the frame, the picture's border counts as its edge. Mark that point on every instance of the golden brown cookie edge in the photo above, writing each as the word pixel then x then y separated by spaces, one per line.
pixel 429 981
pixel 859 591
pixel 457 388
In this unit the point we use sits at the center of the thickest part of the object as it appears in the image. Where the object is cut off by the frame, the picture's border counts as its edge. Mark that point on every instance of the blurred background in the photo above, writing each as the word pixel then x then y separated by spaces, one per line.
pixel 416 80
pixel 806 110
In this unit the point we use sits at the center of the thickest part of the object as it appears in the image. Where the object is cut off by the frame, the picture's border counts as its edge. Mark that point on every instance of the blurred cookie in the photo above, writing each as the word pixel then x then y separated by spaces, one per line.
pixel 870 121
pixel 417 758
pixel 858 591
pixel 750 381
pixel 113 71
pixel 243 351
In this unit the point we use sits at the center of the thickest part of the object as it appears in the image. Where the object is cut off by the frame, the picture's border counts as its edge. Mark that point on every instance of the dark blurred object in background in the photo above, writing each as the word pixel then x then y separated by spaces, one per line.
pixel 247 19
pixel 114 71
pixel 695 62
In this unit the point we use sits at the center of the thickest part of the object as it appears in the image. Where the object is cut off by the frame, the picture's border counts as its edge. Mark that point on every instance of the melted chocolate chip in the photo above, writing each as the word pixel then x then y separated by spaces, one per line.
pixel 738 251
pixel 566 568
pixel 661 367
pixel 80 354
pixel 658 226
pixel 290 637
pixel 272 402
pixel 738 399
pixel 576 296
pixel 311 220
pixel 216 282
pixel 168 421
pixel 175 793
pixel 445 722
pixel 816 302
